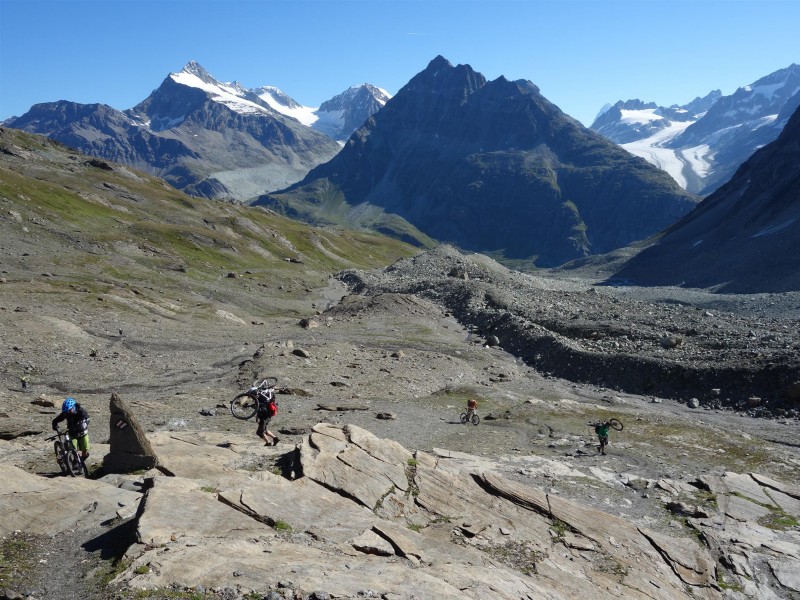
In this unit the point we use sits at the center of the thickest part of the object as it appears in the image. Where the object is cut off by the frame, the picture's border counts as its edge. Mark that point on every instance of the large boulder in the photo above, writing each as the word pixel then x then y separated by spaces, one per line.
pixel 129 448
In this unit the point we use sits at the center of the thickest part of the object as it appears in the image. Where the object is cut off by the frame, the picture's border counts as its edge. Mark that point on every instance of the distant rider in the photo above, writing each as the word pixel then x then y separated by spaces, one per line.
pixel 77 424
pixel 601 429
pixel 472 406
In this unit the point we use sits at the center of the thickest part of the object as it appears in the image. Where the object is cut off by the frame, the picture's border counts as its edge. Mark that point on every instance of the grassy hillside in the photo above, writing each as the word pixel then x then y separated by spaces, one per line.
pixel 78 223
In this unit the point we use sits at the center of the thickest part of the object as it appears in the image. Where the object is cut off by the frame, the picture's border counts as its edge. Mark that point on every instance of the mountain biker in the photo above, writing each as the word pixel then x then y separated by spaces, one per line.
pixel 472 406
pixel 77 424
pixel 601 429
pixel 266 410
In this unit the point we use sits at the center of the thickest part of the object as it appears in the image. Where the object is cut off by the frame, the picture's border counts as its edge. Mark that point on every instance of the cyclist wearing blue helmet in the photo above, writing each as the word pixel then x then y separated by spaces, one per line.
pixel 77 424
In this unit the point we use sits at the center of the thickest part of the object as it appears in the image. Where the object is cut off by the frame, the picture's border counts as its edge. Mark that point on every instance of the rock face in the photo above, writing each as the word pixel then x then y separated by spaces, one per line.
pixel 751 222
pixel 368 514
pixel 359 516
pixel 129 448
pixel 490 166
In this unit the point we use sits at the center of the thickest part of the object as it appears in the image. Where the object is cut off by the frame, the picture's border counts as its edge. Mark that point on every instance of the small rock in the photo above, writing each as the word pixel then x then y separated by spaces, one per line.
pixel 44 401
pixel 670 341
pixel 300 352
pixel 386 416
pixel 693 403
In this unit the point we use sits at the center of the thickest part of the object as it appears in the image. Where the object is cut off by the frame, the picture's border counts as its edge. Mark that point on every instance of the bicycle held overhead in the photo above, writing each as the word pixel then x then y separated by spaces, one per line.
pixel 601 429
pixel 258 400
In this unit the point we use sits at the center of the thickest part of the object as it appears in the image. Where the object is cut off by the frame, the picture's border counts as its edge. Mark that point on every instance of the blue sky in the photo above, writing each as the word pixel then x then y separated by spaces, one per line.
pixel 581 53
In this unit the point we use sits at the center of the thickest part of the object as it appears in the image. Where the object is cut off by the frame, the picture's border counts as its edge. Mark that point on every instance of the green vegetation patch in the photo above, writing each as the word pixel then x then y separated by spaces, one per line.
pixel 519 557
pixel 19 554
pixel 778 520
pixel 282 526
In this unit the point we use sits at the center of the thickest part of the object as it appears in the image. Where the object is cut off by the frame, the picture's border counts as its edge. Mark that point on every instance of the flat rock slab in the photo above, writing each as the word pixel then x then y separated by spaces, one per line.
pixel 48 506
pixel 744 485
pixel 303 505
pixel 202 455
pixel 768 482
pixel 249 564
pixel 197 515
pixel 787 573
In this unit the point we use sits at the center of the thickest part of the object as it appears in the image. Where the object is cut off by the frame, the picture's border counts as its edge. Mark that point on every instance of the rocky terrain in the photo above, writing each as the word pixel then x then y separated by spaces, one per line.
pixel 376 489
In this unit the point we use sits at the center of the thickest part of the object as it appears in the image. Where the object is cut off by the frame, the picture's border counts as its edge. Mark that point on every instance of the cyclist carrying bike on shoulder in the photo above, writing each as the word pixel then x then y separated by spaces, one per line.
pixel 601 429
pixel 77 424
pixel 266 410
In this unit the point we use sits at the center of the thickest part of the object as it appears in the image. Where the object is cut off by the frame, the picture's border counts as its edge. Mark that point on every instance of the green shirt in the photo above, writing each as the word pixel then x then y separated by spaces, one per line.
pixel 601 430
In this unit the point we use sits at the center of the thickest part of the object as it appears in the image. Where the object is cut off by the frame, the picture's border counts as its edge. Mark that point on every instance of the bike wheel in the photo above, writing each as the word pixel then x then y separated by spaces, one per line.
pixel 616 424
pixel 463 417
pixel 244 406
pixel 60 458
pixel 74 463
pixel 475 419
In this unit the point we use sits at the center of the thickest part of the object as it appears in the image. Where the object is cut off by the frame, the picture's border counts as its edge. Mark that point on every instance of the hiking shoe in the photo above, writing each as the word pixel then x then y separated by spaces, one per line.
pixel 275 441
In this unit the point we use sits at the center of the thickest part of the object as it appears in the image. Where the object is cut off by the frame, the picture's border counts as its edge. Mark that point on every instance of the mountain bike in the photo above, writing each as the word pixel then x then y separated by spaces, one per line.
pixel 246 404
pixel 68 457
pixel 470 416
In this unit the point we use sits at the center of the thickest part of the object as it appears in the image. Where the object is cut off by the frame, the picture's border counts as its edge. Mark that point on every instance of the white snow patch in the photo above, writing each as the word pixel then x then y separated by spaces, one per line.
pixel 698 158
pixel 651 149
pixel 768 90
pixel 220 93
pixel 332 117
pixel 305 114
pixel 774 229
pixel 646 115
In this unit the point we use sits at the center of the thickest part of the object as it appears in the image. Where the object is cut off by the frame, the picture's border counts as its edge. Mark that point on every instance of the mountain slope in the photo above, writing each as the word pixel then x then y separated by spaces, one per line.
pixel 742 238
pixel 95 226
pixel 702 143
pixel 208 138
pixel 490 166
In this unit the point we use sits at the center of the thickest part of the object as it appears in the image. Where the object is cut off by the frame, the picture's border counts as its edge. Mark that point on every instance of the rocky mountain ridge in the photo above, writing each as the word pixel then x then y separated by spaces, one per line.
pixel 742 238
pixel 702 144
pixel 209 138
pixel 490 166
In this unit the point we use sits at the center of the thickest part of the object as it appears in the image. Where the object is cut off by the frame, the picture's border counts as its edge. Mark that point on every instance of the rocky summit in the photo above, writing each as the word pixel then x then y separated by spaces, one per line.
pixel 492 167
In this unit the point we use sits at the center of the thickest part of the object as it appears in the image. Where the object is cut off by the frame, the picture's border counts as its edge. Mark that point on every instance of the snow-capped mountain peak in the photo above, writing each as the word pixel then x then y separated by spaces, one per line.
pixel 703 142
pixel 232 95
pixel 286 105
